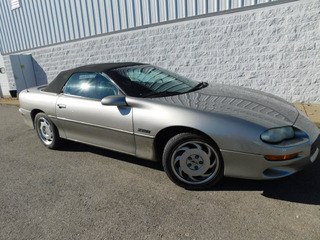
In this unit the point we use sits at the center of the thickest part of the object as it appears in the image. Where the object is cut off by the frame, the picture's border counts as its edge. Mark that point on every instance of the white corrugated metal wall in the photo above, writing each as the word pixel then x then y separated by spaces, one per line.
pixel 4 84
pixel 39 23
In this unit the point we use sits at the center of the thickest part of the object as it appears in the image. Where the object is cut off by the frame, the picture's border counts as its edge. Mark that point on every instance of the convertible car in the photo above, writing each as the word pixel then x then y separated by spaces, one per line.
pixel 201 132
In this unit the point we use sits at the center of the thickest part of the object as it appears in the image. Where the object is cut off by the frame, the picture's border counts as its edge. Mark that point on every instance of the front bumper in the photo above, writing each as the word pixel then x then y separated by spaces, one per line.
pixel 255 166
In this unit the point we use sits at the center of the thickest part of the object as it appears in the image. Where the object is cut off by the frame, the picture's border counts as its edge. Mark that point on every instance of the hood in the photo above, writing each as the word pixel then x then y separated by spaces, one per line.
pixel 248 104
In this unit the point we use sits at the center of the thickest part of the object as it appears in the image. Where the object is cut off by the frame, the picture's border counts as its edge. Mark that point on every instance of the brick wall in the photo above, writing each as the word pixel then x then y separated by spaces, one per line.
pixel 275 49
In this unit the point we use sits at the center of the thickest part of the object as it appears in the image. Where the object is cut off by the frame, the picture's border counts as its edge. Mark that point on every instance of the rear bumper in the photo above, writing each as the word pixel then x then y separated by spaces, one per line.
pixel 26 116
pixel 254 166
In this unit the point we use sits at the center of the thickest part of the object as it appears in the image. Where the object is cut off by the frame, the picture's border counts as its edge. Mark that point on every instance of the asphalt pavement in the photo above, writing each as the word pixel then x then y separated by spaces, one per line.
pixel 83 192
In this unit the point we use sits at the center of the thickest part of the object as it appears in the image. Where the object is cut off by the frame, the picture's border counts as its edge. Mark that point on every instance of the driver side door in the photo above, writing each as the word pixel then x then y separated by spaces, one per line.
pixel 84 119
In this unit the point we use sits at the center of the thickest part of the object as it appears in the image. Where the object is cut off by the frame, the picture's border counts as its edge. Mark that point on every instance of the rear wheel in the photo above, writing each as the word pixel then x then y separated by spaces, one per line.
pixel 192 161
pixel 47 131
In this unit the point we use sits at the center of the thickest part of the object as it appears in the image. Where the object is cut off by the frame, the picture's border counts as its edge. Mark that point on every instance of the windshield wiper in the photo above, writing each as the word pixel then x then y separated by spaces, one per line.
pixel 198 86
pixel 160 94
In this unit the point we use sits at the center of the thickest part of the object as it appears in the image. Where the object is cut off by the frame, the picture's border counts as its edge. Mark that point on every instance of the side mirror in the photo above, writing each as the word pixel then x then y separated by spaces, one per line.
pixel 114 101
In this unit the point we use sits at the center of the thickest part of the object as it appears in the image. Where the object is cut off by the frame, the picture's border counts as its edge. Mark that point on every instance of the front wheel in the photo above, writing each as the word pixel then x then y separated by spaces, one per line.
pixel 192 161
pixel 47 131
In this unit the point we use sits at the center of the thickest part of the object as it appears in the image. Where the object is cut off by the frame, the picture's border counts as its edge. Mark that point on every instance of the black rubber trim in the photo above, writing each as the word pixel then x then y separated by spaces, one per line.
pixel 315 145
pixel 57 84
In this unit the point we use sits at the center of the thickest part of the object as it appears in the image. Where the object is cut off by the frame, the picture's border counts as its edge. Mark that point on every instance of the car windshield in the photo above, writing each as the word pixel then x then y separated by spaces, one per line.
pixel 150 81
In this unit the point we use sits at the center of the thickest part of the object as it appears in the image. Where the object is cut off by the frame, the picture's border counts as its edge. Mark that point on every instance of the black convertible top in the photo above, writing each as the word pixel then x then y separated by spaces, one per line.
pixel 57 84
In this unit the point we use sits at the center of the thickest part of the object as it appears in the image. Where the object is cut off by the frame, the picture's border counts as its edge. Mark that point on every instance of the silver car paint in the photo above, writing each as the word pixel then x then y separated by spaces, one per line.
pixel 154 116
pixel 254 166
pixel 34 98
pixel 233 117
pixel 88 121
pixel 263 109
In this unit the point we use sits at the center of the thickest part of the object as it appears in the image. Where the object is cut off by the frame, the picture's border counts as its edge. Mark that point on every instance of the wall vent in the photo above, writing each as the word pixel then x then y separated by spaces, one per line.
pixel 15 4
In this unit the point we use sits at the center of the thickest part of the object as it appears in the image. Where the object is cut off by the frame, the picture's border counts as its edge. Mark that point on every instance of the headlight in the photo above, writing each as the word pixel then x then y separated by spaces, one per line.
pixel 276 135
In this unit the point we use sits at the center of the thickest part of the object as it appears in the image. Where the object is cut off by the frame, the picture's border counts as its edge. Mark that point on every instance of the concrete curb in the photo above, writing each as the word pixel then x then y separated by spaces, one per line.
pixel 9 101
pixel 10 104
pixel 312 111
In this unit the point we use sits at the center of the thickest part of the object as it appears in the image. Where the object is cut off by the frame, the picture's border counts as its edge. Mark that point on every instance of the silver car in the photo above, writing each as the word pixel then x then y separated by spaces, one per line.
pixel 201 132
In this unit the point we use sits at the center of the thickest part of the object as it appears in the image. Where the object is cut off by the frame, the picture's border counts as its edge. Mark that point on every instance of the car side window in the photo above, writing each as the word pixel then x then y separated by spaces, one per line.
pixel 90 85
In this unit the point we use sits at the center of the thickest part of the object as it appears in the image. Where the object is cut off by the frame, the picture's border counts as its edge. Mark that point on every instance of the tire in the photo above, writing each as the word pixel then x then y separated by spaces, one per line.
pixel 47 131
pixel 192 161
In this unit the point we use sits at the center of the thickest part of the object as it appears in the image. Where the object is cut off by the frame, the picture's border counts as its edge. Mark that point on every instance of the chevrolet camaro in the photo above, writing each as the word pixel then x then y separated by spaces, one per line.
pixel 200 131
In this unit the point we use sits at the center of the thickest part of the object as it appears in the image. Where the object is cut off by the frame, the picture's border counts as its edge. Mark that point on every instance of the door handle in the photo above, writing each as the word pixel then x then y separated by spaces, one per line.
pixel 62 106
